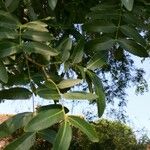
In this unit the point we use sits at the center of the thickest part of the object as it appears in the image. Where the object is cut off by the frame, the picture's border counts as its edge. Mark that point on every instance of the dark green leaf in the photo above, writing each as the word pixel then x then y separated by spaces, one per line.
pixel 68 83
pixel 99 26
pixel 45 119
pixel 48 135
pixel 13 123
pixel 79 96
pixel 25 142
pixel 63 137
pixel 3 73
pixel 133 33
pixel 9 48
pixel 11 4
pixel 84 126
pixel 16 93
pixel 101 103
pixel 65 47
pixel 98 60
pixel 48 91
pixel 132 47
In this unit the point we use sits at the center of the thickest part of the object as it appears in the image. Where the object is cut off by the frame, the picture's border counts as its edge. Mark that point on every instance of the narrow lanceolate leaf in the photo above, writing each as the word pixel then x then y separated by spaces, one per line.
pixel 17 93
pixel 52 4
pixel 48 91
pixel 3 73
pixel 25 142
pixel 68 83
pixel 8 34
pixel 48 135
pixel 13 123
pixel 35 47
pixel 63 137
pixel 100 44
pixel 133 33
pixel 101 103
pixel 84 126
pixel 65 48
pixel 79 96
pixel 98 60
pixel 11 5
pixel 8 21
pixel 133 47
pixel 78 51
pixel 37 35
pixel 99 26
pixel 45 119
pixel 9 48
pixel 128 4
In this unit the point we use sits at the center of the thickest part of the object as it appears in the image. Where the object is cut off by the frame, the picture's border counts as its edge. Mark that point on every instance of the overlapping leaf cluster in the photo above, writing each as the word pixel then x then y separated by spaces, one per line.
pixel 42 43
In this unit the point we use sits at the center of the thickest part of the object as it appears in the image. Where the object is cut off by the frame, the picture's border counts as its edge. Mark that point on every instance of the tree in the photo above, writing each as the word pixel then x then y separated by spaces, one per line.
pixel 49 46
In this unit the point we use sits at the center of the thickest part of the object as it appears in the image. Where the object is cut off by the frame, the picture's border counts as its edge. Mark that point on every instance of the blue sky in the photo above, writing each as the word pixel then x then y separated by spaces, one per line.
pixel 138 107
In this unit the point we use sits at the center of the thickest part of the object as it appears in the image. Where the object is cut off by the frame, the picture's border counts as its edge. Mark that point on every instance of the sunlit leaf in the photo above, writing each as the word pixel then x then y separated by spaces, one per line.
pixel 52 4
pixel 128 4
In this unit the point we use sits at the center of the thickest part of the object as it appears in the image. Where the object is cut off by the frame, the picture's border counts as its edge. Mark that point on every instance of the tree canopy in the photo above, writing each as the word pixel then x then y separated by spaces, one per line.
pixel 49 46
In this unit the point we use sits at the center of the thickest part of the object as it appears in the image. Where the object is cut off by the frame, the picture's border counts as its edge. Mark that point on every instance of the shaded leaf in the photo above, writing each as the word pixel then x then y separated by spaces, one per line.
pixel 132 47
pixel 98 88
pixel 45 119
pixel 11 4
pixel 3 73
pixel 68 83
pixel 13 123
pixel 9 48
pixel 25 142
pixel 16 93
pixel 84 126
pixel 63 137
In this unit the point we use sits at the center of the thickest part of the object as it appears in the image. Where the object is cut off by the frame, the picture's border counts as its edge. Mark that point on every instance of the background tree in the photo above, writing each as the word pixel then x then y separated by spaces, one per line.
pixel 47 47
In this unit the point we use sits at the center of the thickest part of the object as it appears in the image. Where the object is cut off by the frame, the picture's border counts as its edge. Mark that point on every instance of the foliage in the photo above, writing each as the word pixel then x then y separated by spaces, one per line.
pixel 113 135
pixel 49 46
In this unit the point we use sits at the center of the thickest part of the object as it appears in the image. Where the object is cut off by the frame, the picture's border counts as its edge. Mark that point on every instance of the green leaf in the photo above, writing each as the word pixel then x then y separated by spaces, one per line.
pixel 38 36
pixel 133 33
pixel 6 33
pixel 78 52
pixel 13 123
pixel 99 26
pixel 100 44
pixel 101 103
pixel 8 21
pixel 132 47
pixel 45 119
pixel 11 4
pixel 84 126
pixel 128 4
pixel 35 47
pixel 9 48
pixel 3 73
pixel 65 47
pixel 52 4
pixel 48 91
pixel 16 93
pixel 25 142
pixel 35 26
pixel 98 60
pixel 63 137
pixel 79 95
pixel 48 135
pixel 68 83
